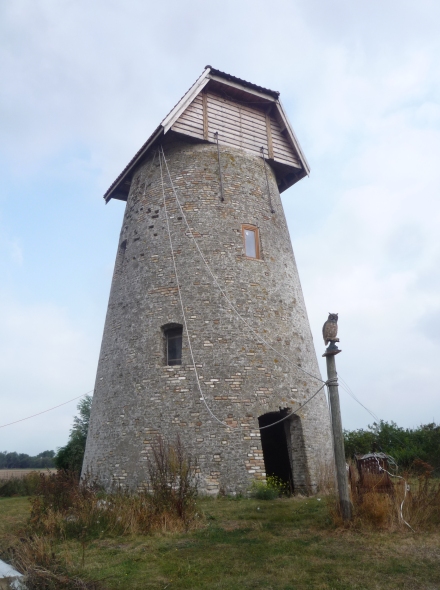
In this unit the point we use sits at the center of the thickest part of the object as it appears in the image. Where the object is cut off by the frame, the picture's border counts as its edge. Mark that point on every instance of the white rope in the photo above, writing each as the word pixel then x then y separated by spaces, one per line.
pixel 202 398
pixel 222 291
pixel 182 306
pixel 404 496
pixel 350 392
pixel 294 411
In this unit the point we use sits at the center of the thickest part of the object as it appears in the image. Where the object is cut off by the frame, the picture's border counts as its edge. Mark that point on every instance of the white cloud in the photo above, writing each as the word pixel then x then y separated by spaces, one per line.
pixel 361 85
pixel 374 256
pixel 44 361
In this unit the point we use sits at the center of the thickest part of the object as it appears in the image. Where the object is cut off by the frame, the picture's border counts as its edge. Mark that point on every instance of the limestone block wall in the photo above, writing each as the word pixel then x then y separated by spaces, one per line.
pixel 138 396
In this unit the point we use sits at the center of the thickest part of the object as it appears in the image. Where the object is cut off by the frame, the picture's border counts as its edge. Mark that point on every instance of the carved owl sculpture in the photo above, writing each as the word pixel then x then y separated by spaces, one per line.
pixel 330 328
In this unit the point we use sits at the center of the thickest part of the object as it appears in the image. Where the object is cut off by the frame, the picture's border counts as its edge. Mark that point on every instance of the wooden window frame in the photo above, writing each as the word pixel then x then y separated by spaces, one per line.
pixel 254 228
pixel 167 332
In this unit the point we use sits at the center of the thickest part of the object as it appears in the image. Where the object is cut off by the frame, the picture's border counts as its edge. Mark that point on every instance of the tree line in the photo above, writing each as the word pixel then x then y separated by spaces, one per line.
pixel 405 445
pixel 22 461
pixel 69 457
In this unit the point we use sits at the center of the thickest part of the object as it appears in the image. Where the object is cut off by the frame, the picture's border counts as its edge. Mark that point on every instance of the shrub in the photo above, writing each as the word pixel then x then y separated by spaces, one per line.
pixel 34 556
pixel 405 444
pixel 70 457
pixel 20 486
pixel 270 489
pixel 413 503
pixel 172 479
pixel 422 508
pixel 64 507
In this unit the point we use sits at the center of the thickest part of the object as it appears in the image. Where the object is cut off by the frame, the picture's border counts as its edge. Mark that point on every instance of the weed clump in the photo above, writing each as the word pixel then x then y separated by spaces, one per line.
pixel 412 502
pixel 63 507
pixel 272 488
pixel 172 484
pixel 20 486
pixel 34 555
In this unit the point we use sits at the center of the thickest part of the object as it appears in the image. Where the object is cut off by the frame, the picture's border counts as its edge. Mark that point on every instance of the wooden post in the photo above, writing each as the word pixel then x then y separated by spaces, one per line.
pixel 338 437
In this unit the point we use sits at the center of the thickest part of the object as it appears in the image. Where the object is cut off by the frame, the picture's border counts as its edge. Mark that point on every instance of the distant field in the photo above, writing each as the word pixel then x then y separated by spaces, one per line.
pixel 9 473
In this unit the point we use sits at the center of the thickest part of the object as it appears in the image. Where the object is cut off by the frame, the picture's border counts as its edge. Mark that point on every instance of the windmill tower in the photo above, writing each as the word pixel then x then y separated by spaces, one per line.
pixel 206 334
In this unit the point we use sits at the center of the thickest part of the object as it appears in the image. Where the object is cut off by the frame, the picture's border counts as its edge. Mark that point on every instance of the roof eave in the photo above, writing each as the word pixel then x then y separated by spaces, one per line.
pixel 242 84
pixel 247 89
pixel 185 101
pixel 115 191
pixel 293 138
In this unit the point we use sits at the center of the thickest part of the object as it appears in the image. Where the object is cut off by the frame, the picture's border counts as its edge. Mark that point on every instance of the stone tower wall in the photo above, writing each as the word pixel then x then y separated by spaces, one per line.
pixel 137 396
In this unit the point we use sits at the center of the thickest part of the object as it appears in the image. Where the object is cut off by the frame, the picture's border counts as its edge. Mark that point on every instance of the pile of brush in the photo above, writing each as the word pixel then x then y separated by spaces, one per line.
pixel 385 500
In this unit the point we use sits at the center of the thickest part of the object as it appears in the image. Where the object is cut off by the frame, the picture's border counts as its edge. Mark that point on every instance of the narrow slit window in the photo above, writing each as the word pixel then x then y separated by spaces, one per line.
pixel 173 344
pixel 251 241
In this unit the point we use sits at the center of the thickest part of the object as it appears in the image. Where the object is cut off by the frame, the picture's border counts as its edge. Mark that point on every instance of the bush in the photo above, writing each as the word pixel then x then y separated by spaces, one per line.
pixel 70 457
pixel 270 489
pixel 412 503
pixel 406 445
pixel 20 486
pixel 66 508
pixel 172 479
pixel 43 569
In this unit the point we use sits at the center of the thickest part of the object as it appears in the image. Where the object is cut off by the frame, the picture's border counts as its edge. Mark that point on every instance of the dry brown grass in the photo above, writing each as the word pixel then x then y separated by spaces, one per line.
pixel 326 478
pixel 35 557
pixel 65 508
pixel 413 503
pixel 6 474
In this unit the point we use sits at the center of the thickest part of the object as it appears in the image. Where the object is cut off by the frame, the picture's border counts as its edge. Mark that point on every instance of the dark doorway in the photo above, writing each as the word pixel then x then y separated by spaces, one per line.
pixel 274 442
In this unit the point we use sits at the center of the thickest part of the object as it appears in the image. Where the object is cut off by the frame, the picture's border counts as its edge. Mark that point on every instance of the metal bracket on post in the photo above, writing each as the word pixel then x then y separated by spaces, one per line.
pixel 272 210
pixel 332 349
pixel 219 168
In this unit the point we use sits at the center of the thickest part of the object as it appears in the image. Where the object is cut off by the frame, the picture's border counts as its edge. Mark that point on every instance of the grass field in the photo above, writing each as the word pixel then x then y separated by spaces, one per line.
pixel 286 544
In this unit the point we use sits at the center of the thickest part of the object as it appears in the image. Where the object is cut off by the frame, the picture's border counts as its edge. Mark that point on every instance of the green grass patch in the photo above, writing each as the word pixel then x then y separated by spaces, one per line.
pixel 14 513
pixel 283 544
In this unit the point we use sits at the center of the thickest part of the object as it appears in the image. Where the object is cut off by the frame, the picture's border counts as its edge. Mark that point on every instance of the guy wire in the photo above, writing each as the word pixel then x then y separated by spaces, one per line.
pixel 186 324
pixel 220 288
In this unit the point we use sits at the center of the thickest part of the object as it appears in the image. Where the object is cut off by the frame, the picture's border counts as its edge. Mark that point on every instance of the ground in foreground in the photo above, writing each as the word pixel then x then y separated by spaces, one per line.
pixel 287 544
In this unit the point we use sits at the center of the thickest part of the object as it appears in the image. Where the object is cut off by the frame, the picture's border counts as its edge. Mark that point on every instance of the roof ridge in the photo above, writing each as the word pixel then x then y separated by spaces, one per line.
pixel 273 93
pixel 214 76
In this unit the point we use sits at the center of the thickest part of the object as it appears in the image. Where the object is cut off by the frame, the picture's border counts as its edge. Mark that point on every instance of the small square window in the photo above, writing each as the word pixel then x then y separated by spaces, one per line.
pixel 251 241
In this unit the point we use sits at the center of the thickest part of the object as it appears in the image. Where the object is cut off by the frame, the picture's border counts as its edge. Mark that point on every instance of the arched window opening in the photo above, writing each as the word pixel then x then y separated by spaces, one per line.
pixel 251 241
pixel 173 344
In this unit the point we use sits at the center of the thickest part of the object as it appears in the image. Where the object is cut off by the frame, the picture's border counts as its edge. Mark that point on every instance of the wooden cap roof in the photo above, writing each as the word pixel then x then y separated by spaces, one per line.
pixel 244 115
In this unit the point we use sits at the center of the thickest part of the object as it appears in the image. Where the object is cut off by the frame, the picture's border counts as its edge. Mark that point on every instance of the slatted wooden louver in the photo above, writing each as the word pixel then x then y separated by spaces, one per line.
pixel 244 115
pixel 240 126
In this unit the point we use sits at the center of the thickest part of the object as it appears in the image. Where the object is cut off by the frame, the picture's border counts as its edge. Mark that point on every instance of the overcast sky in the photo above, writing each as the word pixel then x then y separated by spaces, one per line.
pixel 83 84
